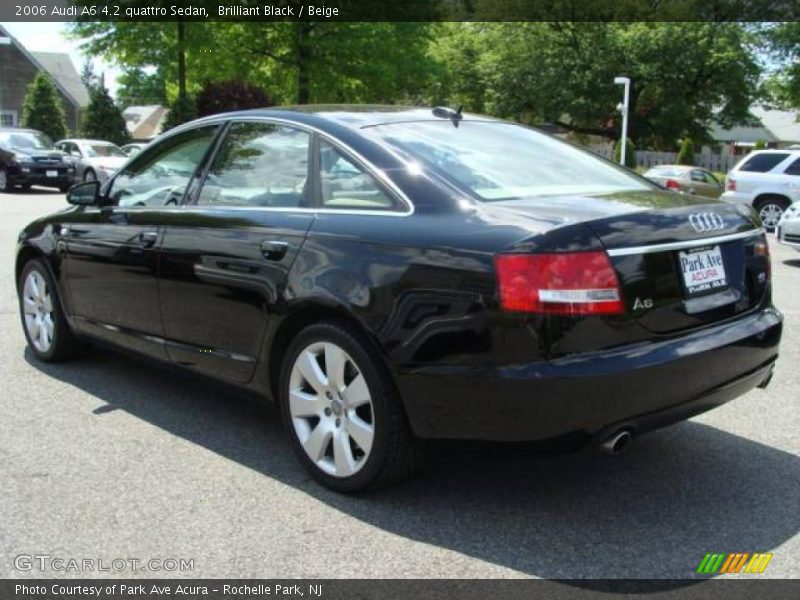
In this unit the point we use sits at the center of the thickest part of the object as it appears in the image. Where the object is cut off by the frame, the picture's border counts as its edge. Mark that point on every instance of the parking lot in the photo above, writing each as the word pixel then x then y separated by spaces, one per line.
pixel 108 458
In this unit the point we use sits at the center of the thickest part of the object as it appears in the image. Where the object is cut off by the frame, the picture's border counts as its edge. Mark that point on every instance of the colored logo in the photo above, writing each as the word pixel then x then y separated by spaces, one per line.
pixel 735 562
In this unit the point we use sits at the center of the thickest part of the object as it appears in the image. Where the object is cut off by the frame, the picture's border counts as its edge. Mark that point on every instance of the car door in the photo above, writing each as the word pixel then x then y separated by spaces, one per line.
pixel 112 249
pixel 227 251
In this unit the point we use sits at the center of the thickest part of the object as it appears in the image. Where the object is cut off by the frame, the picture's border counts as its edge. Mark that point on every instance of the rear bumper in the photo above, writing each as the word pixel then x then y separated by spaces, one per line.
pixel 642 386
pixel 788 233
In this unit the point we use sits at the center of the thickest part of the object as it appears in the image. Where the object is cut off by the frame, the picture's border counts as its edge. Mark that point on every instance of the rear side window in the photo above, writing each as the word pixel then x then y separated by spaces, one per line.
pixel 761 163
pixel 259 164
pixel 794 168
pixel 344 184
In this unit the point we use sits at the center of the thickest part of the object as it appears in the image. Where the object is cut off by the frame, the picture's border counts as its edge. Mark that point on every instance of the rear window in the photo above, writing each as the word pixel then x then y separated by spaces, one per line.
pixel 794 168
pixel 761 163
pixel 502 161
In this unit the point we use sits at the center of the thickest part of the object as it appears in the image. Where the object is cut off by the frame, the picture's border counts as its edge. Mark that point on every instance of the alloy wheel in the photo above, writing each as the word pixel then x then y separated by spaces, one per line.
pixel 3 180
pixel 89 176
pixel 37 306
pixel 770 215
pixel 331 409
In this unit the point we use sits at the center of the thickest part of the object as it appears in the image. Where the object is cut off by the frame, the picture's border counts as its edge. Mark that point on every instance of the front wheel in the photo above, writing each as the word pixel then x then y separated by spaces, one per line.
pixel 342 412
pixel 46 328
pixel 770 210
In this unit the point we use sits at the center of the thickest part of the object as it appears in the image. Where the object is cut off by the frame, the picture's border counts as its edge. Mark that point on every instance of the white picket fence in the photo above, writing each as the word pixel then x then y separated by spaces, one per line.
pixel 722 162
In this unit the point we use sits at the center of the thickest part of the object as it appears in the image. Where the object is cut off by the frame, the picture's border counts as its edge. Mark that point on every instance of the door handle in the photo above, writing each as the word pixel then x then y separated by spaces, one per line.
pixel 147 239
pixel 274 250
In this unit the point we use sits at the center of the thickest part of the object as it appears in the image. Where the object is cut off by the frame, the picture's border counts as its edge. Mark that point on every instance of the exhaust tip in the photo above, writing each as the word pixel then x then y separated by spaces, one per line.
pixel 616 443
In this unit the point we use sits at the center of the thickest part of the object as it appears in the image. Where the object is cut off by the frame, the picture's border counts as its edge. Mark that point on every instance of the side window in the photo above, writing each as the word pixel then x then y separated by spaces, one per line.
pixel 697 175
pixel 793 168
pixel 761 163
pixel 344 184
pixel 259 164
pixel 159 176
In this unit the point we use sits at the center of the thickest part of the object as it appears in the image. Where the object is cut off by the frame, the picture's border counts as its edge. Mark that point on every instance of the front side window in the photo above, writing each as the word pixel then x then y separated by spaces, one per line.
pixel 762 163
pixel 159 176
pixel 502 161
pixel 344 184
pixel 259 164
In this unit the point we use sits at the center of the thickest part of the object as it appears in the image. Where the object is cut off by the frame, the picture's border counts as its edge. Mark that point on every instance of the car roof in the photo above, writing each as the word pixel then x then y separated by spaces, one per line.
pixel 354 116
pixel 86 141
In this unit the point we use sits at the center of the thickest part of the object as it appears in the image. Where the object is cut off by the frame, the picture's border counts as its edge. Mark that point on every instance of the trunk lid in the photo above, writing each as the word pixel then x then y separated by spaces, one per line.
pixel 682 262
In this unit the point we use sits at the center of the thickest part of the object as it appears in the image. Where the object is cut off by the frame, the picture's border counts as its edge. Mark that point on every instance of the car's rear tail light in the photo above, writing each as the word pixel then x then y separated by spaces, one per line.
pixel 762 249
pixel 730 184
pixel 569 283
pixel 672 184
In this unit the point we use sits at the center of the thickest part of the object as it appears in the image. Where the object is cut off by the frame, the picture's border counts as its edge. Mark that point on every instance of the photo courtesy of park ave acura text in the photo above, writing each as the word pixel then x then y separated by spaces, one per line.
pixel 359 299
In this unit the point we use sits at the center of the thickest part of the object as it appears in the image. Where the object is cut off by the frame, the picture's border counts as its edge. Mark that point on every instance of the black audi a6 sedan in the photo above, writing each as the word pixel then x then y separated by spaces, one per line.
pixel 388 275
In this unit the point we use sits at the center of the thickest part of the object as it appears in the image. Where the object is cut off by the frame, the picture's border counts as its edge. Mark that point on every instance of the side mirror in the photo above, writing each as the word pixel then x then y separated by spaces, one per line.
pixel 84 194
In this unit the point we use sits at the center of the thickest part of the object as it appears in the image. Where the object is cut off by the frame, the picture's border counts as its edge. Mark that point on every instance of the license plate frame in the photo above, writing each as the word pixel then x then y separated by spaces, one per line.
pixel 702 270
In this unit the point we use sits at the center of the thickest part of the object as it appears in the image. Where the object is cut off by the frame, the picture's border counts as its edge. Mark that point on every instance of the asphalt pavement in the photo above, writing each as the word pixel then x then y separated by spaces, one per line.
pixel 109 458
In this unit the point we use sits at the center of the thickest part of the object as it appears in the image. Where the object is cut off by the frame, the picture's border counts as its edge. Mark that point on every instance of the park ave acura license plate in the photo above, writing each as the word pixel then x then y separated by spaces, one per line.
pixel 703 270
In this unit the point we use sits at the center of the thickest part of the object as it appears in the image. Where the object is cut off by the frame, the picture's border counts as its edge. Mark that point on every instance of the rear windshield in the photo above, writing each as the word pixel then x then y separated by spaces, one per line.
pixel 503 161
pixel 761 163
pixel 665 172
pixel 104 150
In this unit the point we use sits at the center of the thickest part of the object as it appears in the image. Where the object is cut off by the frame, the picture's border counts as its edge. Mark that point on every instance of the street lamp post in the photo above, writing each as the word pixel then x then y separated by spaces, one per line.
pixel 623 108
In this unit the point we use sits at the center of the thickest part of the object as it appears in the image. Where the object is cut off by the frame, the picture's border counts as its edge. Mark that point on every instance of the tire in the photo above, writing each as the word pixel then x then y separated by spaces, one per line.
pixel 334 424
pixel 5 185
pixel 57 342
pixel 770 210
pixel 89 175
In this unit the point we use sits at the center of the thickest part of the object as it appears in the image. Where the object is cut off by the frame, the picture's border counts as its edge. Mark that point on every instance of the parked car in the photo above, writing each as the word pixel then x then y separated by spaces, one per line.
pixel 682 178
pixel 768 180
pixel 94 160
pixel 133 149
pixel 788 231
pixel 27 157
pixel 390 274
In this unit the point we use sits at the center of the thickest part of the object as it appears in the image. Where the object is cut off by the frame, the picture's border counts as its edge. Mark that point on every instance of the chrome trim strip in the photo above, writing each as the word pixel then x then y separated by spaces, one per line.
pixel 720 239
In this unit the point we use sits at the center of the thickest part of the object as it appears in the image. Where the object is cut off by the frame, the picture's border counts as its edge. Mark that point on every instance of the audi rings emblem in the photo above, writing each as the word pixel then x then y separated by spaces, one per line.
pixel 705 222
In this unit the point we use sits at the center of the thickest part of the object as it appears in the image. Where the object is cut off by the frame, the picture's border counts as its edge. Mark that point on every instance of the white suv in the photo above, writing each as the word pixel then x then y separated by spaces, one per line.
pixel 767 180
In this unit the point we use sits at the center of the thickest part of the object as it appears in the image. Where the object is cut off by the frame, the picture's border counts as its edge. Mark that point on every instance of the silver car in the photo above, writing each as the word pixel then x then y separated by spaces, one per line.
pixel 788 231
pixel 682 178
pixel 94 160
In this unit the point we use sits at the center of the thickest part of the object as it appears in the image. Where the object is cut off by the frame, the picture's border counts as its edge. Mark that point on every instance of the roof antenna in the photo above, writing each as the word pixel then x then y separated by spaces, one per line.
pixel 448 113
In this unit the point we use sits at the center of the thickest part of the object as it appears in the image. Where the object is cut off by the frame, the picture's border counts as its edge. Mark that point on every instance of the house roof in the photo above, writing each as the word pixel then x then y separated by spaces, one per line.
pixel 773 126
pixel 144 122
pixel 60 68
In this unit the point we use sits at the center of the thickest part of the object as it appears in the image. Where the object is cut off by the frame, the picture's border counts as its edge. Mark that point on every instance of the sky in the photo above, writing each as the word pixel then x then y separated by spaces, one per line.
pixel 51 37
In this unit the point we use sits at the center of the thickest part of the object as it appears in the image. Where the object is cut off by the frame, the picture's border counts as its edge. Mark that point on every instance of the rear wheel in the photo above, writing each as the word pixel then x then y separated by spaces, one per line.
pixel 46 328
pixel 770 210
pixel 342 412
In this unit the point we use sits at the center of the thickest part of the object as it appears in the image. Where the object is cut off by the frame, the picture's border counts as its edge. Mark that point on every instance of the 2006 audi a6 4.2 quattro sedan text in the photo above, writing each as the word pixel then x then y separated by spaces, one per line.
pixel 388 275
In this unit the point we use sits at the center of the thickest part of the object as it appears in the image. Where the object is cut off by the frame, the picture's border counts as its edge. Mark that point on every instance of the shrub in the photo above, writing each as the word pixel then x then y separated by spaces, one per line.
pixel 42 109
pixel 103 119
pixel 630 153
pixel 686 153
pixel 181 111
pixel 760 145
pixel 233 94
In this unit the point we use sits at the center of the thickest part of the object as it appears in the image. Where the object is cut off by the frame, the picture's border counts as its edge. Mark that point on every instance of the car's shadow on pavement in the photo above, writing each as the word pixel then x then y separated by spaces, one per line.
pixel 652 512
pixel 792 262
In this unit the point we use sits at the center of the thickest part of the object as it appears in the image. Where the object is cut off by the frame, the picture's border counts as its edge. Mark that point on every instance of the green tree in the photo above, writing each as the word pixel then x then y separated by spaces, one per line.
pixel 42 108
pixel 686 152
pixel 783 85
pixel 103 119
pixel 88 75
pixel 760 145
pixel 224 96
pixel 137 86
pixel 684 75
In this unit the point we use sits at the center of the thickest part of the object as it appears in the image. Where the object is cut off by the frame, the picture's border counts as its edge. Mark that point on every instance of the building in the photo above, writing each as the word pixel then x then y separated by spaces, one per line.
pixel 144 122
pixel 775 128
pixel 18 68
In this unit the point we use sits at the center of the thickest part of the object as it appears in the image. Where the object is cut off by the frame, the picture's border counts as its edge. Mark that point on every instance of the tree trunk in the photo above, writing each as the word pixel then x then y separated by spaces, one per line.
pixel 181 59
pixel 303 63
